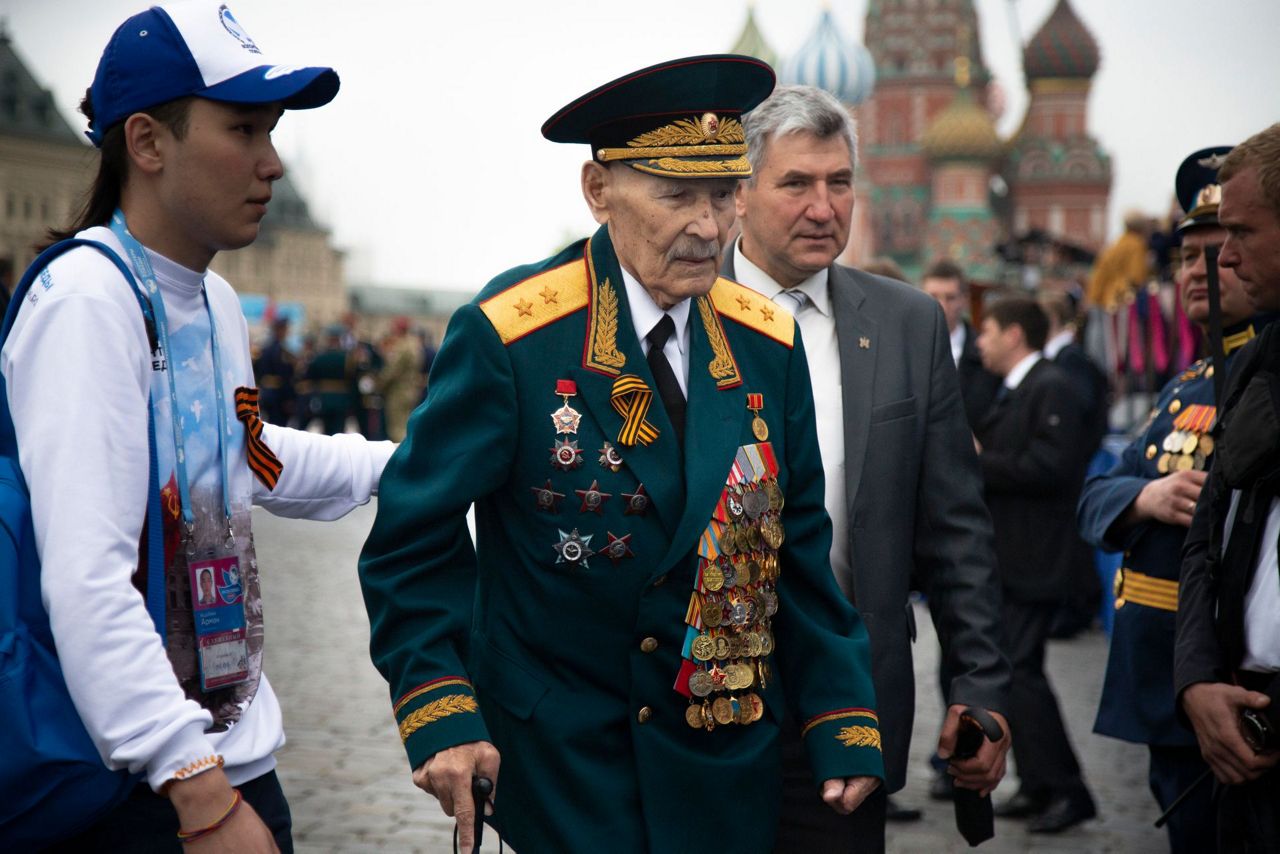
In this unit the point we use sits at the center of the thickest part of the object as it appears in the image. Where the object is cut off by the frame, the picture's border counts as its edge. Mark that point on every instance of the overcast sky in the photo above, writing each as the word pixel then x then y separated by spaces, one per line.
pixel 430 168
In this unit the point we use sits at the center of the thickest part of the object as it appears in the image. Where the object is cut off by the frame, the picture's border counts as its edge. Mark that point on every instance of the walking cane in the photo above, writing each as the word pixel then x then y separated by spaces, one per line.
pixel 975 818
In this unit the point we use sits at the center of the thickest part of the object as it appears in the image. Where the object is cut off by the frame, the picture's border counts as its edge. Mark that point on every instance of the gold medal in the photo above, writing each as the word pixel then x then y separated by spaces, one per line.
pixel 703 647
pixel 754 537
pixel 759 429
pixel 1190 443
pixel 753 570
pixel 754 645
pixel 722 710
pixel 1162 464
pixel 755 402
pixel 712 612
pixel 700 684
pixel 1151 452
pixel 695 716
pixel 1199 461
pixel 766 648
pixel 712 577
pixel 721 644
pixel 757 706
pixel 1183 463
pixel 1206 444
pixel 774 492
pixel 728 540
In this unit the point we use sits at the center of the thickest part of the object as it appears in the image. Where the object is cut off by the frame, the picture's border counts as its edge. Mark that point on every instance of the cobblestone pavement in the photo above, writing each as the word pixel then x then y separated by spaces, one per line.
pixel 348 781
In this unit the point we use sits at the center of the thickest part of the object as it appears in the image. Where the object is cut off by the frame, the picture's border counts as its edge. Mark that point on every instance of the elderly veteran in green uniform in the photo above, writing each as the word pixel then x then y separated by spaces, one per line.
pixel 650 592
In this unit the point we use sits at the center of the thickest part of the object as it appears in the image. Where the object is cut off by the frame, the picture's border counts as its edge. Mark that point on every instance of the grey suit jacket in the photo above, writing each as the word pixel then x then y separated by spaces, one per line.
pixel 915 506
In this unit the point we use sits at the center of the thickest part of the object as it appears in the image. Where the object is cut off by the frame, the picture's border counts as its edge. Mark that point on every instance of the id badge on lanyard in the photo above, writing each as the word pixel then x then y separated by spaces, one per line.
pixel 217 594
pixel 217 600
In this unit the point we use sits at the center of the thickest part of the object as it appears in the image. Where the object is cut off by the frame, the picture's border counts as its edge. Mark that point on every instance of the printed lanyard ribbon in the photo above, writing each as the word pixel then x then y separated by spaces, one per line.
pixel 631 397
pixel 146 275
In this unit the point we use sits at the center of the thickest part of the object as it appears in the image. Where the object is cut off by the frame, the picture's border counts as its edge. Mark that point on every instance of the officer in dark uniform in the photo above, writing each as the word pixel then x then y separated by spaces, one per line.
pixel 1143 507
pixel 650 593
pixel 274 370
pixel 330 383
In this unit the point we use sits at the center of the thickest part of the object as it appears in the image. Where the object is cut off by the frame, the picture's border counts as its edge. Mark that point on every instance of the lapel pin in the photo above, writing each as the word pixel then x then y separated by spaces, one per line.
pixel 864 342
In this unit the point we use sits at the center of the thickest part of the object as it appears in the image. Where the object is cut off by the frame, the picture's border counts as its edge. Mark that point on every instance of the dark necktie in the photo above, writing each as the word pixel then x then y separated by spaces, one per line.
pixel 668 386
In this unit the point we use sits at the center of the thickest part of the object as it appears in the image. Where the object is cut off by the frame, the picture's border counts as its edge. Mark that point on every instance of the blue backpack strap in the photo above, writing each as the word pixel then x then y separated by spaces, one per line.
pixel 9 441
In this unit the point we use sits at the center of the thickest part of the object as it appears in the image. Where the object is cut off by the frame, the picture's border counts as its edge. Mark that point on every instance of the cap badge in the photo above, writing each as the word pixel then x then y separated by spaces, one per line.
pixel 233 26
pixel 710 125
pixel 1213 161
pixel 1210 194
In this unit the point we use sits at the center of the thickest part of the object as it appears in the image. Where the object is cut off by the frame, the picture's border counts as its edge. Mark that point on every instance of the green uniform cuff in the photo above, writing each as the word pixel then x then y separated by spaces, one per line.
pixel 438 715
pixel 844 743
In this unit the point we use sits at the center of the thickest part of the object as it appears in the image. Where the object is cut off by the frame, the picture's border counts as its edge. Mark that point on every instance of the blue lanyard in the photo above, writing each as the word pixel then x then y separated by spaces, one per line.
pixel 142 269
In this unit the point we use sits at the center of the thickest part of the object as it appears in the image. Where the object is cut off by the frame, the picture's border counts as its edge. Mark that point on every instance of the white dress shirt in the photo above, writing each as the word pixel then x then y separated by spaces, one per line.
pixel 957 343
pixel 645 315
pixel 818 330
pixel 1019 372
pixel 1054 345
pixel 1262 602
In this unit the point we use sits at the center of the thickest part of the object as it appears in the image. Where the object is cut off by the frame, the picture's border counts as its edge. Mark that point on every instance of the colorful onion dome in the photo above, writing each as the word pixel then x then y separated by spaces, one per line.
pixel 829 61
pixel 1062 47
pixel 963 131
pixel 752 43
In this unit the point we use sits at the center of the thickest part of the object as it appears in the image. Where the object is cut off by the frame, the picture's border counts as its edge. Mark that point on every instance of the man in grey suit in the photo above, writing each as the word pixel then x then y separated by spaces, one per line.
pixel 903 486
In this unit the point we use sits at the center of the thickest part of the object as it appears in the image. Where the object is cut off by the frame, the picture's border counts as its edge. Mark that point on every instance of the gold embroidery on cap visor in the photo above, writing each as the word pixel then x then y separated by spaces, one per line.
pixel 719 144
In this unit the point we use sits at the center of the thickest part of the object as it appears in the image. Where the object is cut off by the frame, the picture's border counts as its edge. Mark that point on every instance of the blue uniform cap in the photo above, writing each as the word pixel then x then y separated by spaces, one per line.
pixel 1197 186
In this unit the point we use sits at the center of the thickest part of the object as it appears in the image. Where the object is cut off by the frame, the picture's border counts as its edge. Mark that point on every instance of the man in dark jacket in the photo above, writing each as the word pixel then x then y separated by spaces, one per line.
pixel 1029 450
pixel 1227 652
pixel 902 486
pixel 945 282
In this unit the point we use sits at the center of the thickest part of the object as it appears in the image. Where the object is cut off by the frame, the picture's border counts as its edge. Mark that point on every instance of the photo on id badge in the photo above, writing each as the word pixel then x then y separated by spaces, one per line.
pixel 217 600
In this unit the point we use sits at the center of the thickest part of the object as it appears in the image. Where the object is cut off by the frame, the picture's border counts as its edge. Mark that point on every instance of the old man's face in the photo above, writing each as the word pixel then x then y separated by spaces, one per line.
pixel 668 232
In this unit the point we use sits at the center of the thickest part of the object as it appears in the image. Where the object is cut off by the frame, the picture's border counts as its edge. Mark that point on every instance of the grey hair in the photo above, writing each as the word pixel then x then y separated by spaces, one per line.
pixel 797 109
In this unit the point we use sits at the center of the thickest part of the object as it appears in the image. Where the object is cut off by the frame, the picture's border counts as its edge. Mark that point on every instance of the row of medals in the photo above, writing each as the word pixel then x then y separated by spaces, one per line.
pixel 1184 451
pixel 737 608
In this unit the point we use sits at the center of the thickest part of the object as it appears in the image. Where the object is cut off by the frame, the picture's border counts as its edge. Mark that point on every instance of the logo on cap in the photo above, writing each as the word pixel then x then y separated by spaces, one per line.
pixel 280 71
pixel 233 26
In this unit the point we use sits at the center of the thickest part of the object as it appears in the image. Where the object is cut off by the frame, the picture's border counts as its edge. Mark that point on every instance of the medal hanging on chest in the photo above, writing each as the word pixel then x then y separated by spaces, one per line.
pixel 759 429
pixel 566 418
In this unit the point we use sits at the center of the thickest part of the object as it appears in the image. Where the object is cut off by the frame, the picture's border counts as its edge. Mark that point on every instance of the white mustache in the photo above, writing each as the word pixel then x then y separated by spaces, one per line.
pixel 693 249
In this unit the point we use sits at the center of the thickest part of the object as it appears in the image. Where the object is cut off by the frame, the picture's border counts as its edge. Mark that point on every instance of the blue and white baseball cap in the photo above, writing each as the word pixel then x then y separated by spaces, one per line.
pixel 200 49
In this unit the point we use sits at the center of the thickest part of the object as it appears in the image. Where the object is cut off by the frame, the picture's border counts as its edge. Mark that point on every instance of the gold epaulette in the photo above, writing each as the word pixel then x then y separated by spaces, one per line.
pixel 538 300
pixel 749 308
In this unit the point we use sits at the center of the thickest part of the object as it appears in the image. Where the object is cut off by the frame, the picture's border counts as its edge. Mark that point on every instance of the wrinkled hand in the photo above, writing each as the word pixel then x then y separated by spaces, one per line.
pixel 1170 499
pixel 1214 710
pixel 447 777
pixel 847 795
pixel 983 771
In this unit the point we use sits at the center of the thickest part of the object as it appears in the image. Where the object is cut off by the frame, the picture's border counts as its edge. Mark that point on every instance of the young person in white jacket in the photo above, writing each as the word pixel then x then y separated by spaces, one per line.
pixel 182 107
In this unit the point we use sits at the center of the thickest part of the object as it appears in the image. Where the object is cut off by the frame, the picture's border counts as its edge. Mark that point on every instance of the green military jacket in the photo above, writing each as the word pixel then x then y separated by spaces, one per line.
pixel 635 620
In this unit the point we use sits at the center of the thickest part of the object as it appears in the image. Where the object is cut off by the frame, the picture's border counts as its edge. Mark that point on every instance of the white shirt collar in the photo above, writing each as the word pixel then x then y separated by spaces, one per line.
pixel 957 342
pixel 1019 373
pixel 1054 345
pixel 645 313
pixel 749 274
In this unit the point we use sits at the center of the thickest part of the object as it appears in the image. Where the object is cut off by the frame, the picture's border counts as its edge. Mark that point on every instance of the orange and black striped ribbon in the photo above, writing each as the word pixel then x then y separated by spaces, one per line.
pixel 262 461
pixel 631 397
pixel 1197 418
